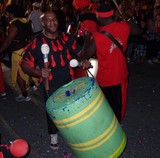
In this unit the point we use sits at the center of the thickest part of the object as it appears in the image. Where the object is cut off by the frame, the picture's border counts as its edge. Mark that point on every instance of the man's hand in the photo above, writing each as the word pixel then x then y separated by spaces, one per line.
pixel 45 72
pixel 85 64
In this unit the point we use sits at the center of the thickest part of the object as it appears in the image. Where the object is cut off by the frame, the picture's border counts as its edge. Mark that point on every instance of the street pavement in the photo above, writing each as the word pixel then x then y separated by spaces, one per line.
pixel 27 120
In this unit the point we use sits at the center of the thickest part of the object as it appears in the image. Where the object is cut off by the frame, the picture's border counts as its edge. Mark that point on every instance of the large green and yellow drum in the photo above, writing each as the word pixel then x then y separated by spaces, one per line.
pixel 86 120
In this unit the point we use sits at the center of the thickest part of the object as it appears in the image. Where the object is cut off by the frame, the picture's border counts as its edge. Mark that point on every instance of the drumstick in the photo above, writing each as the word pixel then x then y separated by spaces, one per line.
pixel 74 63
pixel 116 4
pixel 77 29
pixel 45 52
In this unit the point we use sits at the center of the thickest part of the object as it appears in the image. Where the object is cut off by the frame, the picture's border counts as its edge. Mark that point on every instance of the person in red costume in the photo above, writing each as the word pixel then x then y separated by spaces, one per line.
pixel 112 75
pixel 87 22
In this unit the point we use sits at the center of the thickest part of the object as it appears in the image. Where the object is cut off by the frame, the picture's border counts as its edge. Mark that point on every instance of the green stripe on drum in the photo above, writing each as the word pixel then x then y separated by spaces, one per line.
pixel 120 148
pixel 85 120
pixel 103 138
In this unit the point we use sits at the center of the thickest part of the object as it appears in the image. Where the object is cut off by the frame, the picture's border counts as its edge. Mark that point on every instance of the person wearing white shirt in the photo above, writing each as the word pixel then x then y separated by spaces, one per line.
pixel 34 16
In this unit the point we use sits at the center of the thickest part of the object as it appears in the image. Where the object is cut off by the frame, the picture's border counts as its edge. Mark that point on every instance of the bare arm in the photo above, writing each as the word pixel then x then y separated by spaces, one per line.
pixel 134 28
pixel 36 72
pixel 12 32
pixel 88 51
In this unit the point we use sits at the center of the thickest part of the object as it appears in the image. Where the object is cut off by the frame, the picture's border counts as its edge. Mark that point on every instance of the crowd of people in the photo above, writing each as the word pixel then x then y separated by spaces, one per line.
pixel 80 32
pixel 144 47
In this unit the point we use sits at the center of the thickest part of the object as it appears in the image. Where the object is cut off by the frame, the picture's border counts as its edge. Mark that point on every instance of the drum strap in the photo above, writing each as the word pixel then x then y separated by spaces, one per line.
pixel 113 39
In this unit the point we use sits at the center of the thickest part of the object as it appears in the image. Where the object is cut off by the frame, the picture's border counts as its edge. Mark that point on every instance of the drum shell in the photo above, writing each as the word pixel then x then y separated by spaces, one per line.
pixel 86 120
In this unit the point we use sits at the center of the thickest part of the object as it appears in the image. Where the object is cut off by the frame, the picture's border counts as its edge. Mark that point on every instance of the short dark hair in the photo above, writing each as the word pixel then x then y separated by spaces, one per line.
pixel 16 10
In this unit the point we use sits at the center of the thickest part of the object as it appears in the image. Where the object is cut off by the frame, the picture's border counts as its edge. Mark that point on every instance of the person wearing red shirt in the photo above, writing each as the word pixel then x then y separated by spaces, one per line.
pixel 112 75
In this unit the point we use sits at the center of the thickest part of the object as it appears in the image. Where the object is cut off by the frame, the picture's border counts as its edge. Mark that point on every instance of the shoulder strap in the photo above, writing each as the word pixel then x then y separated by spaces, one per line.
pixel 113 39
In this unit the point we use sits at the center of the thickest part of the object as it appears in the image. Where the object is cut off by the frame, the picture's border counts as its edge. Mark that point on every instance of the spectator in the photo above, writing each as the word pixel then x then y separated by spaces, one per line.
pixel 152 37
pixel 19 32
pixel 3 29
pixel 34 16
pixel 141 44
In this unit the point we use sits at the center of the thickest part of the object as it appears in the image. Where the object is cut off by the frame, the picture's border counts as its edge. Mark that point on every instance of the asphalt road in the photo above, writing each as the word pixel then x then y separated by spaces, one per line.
pixel 27 120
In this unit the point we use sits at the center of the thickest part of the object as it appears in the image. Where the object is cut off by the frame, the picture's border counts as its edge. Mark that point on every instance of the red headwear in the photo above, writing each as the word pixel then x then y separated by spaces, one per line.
pixel 80 4
pixel 105 14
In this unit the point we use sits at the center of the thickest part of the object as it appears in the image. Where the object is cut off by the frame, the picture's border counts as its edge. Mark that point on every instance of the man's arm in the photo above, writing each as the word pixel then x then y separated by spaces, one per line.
pixel 127 16
pixel 134 28
pixel 88 51
pixel 12 32
pixel 32 71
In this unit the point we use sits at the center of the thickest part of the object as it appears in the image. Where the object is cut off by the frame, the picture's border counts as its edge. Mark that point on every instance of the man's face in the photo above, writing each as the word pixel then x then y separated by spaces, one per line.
pixel 50 22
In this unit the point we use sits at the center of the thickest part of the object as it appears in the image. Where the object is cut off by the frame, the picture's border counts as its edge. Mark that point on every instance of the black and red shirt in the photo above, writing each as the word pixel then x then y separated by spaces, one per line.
pixel 62 50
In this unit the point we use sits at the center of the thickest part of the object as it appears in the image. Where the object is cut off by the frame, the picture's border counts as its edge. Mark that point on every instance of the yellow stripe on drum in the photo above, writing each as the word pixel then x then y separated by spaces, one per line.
pixel 81 116
pixel 86 120
pixel 103 138
pixel 120 148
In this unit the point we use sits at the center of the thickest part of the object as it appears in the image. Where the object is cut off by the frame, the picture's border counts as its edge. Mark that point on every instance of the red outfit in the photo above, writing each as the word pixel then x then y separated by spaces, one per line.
pixel 2 87
pixel 112 67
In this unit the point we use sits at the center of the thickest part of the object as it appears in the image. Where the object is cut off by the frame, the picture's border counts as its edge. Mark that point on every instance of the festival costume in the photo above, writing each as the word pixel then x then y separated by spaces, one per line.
pixel 62 50
pixel 112 68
